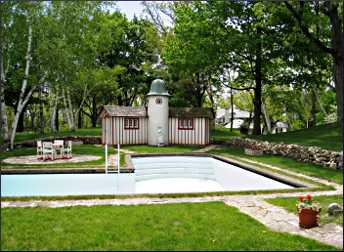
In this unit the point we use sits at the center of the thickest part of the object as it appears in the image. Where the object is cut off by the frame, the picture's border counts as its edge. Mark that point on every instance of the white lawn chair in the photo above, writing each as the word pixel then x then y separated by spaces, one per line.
pixel 67 150
pixel 48 151
pixel 39 150
pixel 58 146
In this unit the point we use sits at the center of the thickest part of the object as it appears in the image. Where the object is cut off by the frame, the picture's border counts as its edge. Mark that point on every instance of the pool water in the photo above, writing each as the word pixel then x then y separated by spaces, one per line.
pixel 153 175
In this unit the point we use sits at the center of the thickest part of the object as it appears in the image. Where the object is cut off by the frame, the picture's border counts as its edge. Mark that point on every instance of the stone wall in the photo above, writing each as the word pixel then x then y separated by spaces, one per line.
pixel 308 154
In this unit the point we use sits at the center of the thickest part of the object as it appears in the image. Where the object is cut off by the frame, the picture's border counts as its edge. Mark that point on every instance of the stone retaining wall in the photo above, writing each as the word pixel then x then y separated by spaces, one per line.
pixel 308 154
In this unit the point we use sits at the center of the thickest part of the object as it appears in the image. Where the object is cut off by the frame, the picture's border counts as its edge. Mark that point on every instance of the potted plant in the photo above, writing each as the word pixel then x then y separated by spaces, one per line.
pixel 308 212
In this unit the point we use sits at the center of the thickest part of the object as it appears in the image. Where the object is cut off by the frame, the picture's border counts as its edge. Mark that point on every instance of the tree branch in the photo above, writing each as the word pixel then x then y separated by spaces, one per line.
pixel 306 31
pixel 88 114
pixel 240 89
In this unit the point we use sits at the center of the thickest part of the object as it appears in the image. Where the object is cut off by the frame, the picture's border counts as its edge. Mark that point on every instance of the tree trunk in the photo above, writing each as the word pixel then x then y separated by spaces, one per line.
pixel 20 127
pixel 337 41
pixel 258 87
pixel 94 112
pixel 33 117
pixel 23 101
pixel 211 98
pixel 267 118
pixel 68 109
pixel 3 114
pixel 41 113
pixel 313 119
pixel 57 119
pixel 232 110
pixel 53 110
pixel 339 81
pixel 79 120
pixel 119 100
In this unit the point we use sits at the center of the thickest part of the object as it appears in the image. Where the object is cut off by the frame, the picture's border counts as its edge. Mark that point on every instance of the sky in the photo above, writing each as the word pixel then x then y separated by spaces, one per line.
pixel 130 8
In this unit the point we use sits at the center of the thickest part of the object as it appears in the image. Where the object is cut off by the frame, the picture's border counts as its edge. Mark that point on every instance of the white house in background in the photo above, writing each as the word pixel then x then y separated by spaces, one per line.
pixel 223 116
pixel 280 127
pixel 157 124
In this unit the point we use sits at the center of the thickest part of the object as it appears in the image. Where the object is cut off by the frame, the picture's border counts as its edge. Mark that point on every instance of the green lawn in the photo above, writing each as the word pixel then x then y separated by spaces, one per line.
pixel 198 226
pixel 324 136
pixel 324 201
pixel 285 163
pixel 223 134
pixel 82 149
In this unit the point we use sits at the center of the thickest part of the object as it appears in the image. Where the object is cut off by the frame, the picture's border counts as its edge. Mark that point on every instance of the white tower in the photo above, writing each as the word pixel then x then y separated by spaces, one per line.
pixel 158 113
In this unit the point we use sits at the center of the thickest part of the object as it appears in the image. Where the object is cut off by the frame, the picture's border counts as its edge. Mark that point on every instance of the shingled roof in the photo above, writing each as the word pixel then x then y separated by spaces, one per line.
pixel 115 110
pixel 190 112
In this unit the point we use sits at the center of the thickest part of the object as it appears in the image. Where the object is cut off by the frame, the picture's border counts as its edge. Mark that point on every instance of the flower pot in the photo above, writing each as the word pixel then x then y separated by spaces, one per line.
pixel 308 218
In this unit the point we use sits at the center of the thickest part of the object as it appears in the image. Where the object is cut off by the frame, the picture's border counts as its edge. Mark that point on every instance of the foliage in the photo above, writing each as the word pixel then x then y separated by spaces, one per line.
pixel 83 57
pixel 71 41
pixel 307 203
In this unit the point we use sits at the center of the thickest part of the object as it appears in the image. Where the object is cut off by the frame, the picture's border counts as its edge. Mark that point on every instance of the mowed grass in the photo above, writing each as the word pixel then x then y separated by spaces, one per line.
pixel 82 149
pixel 290 202
pixel 285 163
pixel 223 134
pixel 325 136
pixel 197 226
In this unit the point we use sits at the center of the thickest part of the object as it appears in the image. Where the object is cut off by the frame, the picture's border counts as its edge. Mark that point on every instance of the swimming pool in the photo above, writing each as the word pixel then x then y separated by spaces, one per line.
pixel 153 175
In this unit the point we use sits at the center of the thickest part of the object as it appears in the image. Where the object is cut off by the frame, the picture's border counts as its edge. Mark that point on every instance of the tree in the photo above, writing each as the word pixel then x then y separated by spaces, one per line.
pixel 132 46
pixel 3 116
pixel 191 55
pixel 72 43
pixel 213 38
pixel 334 11
pixel 20 15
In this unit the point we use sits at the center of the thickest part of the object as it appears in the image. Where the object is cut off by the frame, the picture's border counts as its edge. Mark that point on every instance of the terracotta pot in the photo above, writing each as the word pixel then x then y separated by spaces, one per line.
pixel 308 218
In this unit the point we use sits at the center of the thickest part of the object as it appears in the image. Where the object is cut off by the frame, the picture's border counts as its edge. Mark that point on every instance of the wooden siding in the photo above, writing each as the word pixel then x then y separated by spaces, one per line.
pixel 126 136
pixel 198 135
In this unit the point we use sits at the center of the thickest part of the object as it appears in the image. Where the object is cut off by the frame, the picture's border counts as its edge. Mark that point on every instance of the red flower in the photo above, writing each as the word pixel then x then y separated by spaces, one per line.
pixel 309 197
pixel 301 198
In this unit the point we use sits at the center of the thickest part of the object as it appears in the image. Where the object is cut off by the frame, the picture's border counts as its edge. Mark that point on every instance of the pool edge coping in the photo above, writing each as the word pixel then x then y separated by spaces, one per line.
pixel 315 187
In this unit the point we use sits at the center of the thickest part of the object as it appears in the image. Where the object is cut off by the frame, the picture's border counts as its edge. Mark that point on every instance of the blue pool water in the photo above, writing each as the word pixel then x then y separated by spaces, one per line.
pixel 170 174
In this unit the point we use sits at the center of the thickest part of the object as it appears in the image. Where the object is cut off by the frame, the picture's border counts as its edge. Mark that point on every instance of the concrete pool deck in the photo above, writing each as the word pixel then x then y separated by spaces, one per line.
pixel 274 217
pixel 32 160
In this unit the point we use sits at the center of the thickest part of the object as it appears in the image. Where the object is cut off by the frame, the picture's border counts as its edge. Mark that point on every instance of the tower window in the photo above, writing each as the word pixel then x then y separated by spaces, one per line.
pixel 131 123
pixel 185 124
pixel 158 100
